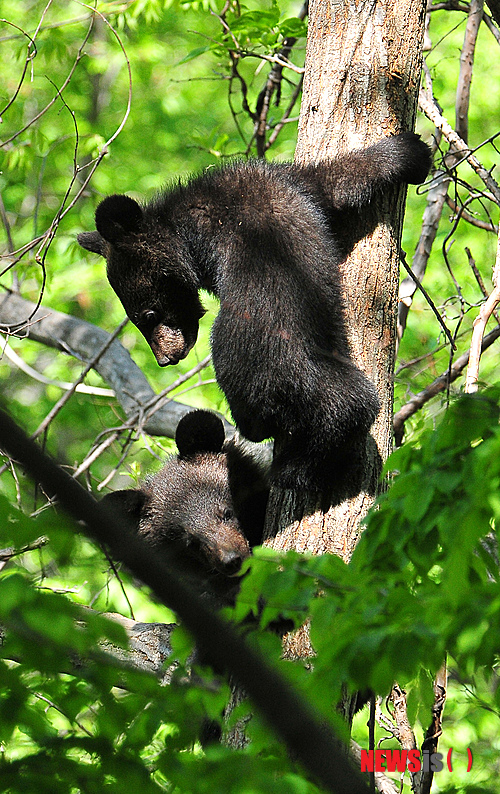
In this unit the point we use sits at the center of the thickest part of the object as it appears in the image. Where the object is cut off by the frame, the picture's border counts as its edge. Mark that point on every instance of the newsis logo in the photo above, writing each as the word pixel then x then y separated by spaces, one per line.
pixel 412 760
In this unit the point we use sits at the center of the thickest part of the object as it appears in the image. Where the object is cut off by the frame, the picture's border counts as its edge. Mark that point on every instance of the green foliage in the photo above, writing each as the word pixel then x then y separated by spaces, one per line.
pixel 421 583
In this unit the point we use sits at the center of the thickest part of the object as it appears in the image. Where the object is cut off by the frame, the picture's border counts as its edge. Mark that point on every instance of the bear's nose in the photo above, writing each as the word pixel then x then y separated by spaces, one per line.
pixel 231 561
pixel 166 361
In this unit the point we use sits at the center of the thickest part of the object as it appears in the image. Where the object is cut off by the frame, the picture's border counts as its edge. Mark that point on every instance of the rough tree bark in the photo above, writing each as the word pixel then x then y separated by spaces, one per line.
pixel 362 75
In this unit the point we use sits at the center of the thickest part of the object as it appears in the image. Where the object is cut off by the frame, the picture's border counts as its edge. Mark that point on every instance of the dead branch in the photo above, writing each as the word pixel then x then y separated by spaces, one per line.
pixel 382 783
pixel 405 731
pixel 149 646
pixel 479 326
pixel 8 554
pixel 466 64
pixel 487 226
pixel 492 27
pixel 435 729
pixel 273 84
pixel 494 6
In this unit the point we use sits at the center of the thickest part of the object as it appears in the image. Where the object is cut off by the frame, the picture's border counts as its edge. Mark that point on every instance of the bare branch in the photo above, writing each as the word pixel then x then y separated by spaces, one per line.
pixel 466 64
pixel 8 554
pixel 467 216
pixel 69 393
pixel 494 6
pixel 479 280
pixel 405 731
pixel 435 729
pixel 286 115
pixel 79 387
pixel 273 84
pixel 479 327
pixel 383 783
pixel 430 302
pixel 433 113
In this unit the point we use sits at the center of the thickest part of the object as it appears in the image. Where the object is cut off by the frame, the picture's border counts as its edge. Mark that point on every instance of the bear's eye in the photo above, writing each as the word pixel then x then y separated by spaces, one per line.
pixel 227 514
pixel 149 317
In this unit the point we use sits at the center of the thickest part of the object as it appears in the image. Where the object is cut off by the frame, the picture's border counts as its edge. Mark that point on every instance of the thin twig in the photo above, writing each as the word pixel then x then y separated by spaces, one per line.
pixel 81 388
pixel 433 113
pixel 438 385
pixel 65 397
pixel 32 52
pixel 428 299
pixel 479 279
pixel 54 99
pixel 432 214
pixel 487 226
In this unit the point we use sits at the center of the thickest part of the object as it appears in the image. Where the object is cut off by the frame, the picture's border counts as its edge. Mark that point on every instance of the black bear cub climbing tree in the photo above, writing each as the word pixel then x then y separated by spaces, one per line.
pixel 268 241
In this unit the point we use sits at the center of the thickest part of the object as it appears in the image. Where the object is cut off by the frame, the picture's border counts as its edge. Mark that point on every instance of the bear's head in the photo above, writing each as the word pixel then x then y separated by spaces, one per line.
pixel 149 270
pixel 206 506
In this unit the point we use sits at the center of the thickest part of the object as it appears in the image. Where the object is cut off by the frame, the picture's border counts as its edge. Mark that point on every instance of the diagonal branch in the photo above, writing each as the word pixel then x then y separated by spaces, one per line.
pixel 433 113
pixel 438 385
pixel 466 63
pixel 83 340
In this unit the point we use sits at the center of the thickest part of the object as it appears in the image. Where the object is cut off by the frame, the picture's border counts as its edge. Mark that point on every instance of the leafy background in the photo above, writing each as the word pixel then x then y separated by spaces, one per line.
pixel 419 585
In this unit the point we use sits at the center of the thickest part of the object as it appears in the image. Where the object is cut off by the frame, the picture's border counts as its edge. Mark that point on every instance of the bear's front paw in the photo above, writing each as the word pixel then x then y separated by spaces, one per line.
pixel 415 156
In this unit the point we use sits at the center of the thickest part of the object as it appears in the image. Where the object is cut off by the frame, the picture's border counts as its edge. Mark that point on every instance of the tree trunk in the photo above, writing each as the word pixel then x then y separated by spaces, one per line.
pixel 361 83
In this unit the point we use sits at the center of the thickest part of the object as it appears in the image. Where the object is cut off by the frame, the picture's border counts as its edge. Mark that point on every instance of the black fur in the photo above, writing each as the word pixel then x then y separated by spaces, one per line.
pixel 206 506
pixel 267 239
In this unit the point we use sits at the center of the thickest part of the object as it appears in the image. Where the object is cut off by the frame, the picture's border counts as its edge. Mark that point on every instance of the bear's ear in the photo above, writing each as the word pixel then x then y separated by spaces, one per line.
pixel 118 216
pixel 129 503
pixel 199 431
pixel 92 241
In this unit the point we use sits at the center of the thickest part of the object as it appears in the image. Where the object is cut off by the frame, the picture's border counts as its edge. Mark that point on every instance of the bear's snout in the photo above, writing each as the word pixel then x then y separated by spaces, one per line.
pixel 232 560
pixel 226 550
pixel 168 345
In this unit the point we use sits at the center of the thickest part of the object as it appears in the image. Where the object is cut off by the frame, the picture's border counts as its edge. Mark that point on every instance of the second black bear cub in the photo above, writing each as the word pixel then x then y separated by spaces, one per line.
pixel 267 239
pixel 206 506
